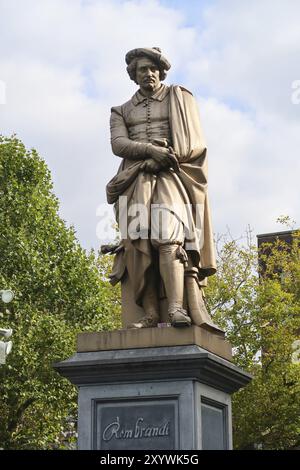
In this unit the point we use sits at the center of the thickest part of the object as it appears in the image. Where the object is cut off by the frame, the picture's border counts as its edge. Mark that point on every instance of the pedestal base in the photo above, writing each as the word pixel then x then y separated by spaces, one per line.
pixel 172 397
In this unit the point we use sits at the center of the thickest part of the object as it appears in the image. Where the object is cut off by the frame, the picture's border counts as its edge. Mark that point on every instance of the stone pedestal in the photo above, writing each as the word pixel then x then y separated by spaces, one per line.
pixel 158 388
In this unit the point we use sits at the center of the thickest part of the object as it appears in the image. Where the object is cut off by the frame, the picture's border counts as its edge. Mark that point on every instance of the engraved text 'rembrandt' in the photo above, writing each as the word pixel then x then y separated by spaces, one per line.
pixel 114 430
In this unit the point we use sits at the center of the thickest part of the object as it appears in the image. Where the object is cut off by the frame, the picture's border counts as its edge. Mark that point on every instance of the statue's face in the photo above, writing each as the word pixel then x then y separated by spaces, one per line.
pixel 147 75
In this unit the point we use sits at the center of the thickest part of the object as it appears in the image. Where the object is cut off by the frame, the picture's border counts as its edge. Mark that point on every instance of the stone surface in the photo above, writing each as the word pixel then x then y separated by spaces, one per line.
pixel 148 364
pixel 167 397
pixel 154 337
pixel 149 423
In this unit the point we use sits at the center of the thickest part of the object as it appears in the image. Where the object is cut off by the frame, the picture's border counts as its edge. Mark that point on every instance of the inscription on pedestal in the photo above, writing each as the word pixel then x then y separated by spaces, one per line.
pixel 136 425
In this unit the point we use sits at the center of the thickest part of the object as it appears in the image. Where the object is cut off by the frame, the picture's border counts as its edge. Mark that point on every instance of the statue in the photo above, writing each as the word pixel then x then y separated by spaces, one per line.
pixel 160 197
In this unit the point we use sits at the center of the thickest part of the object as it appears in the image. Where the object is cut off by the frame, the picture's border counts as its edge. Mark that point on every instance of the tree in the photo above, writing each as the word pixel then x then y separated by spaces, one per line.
pixel 261 317
pixel 59 290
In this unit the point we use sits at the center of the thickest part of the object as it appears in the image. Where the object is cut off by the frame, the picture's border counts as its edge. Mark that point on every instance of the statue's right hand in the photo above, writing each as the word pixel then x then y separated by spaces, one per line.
pixel 159 154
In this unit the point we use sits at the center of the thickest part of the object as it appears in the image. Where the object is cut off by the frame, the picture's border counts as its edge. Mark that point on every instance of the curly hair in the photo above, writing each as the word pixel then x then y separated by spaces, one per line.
pixel 131 69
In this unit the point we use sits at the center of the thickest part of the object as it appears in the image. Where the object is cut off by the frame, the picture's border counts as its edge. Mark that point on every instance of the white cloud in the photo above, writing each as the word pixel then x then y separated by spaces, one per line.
pixel 249 54
pixel 63 65
pixel 248 63
pixel 253 170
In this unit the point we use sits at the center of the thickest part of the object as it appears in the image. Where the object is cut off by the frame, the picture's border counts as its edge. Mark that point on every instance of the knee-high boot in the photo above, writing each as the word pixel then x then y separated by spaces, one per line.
pixel 172 273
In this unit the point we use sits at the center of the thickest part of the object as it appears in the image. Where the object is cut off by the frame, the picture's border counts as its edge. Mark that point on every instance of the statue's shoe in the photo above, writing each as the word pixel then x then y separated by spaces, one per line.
pixel 179 318
pixel 149 321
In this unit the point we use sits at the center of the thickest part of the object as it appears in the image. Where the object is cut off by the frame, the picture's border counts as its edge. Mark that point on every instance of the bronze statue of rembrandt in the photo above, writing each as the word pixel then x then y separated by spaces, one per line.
pixel 161 202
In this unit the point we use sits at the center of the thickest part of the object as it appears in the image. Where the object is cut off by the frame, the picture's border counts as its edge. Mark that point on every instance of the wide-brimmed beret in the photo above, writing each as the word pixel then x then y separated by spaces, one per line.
pixel 154 53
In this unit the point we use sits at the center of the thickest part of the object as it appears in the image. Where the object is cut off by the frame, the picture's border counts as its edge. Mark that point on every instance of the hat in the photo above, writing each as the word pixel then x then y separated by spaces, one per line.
pixel 154 53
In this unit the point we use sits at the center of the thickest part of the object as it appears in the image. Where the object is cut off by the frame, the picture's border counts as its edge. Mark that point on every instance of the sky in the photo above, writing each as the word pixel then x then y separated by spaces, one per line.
pixel 62 68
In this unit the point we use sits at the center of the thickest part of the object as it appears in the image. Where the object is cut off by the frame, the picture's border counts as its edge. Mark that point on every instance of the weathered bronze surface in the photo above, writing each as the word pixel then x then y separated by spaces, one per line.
pixel 161 201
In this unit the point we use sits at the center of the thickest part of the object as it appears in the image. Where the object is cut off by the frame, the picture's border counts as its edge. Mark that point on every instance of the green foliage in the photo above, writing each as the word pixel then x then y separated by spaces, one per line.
pixel 262 321
pixel 59 290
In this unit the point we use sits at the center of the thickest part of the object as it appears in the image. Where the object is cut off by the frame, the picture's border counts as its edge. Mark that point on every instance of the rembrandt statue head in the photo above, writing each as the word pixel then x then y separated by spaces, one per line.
pixel 147 67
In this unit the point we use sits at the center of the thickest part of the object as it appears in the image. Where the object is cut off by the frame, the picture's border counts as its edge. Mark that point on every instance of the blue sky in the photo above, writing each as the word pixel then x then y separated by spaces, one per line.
pixel 62 63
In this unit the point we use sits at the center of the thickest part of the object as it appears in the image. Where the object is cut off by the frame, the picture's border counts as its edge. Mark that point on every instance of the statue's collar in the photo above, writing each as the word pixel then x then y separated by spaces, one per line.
pixel 159 95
